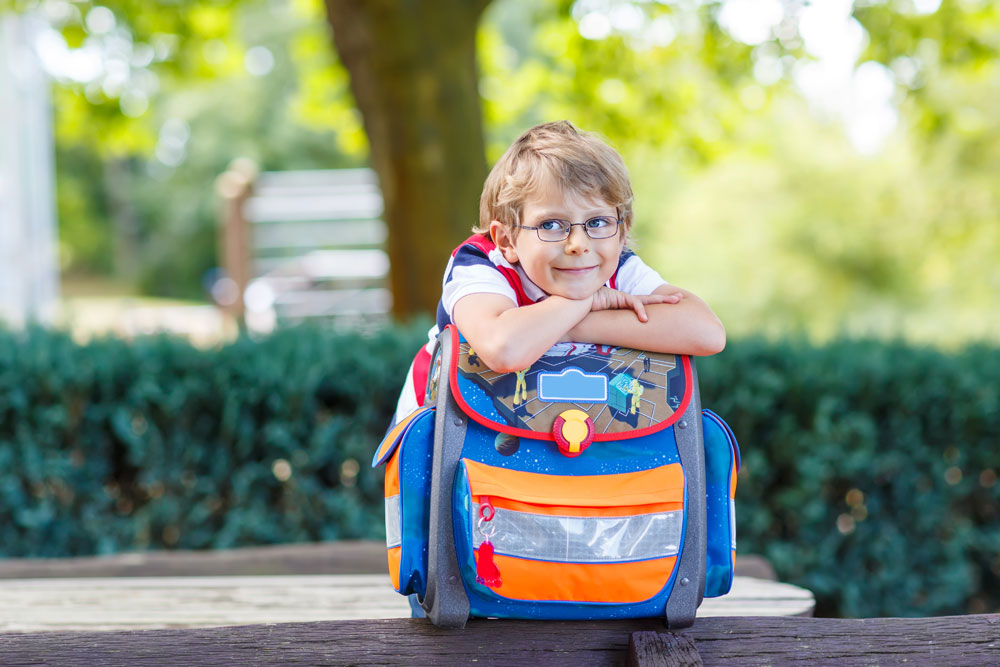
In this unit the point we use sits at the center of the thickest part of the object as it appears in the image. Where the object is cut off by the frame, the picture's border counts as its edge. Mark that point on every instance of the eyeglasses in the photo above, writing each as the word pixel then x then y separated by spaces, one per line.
pixel 553 231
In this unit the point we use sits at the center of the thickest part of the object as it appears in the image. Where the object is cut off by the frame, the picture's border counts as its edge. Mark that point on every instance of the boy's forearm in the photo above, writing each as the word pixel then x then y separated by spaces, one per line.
pixel 518 337
pixel 688 327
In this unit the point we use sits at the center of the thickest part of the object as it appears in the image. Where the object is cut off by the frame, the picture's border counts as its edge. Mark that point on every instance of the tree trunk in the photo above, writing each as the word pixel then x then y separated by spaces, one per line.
pixel 413 73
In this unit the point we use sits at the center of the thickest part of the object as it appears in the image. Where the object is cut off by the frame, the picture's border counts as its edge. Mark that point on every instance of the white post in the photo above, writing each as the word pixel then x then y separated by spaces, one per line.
pixel 29 285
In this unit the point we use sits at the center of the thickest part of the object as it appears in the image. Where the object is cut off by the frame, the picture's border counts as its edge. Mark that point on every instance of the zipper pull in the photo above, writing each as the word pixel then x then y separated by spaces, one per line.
pixel 487 572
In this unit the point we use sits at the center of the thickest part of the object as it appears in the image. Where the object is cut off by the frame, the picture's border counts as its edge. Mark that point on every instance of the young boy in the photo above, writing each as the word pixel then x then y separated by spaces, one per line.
pixel 549 263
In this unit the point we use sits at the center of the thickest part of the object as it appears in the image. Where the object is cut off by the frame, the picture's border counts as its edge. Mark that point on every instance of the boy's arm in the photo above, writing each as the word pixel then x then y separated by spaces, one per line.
pixel 508 338
pixel 686 327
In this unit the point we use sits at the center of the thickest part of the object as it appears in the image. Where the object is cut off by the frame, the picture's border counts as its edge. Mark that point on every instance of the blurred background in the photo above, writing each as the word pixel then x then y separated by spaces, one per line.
pixel 824 174
pixel 822 168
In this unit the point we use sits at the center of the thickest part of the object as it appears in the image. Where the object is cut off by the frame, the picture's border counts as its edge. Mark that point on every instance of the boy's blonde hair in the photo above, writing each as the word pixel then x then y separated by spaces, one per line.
pixel 576 161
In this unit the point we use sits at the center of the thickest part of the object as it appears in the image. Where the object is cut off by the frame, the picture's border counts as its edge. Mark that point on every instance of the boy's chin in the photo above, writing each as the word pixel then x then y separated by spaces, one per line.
pixel 574 293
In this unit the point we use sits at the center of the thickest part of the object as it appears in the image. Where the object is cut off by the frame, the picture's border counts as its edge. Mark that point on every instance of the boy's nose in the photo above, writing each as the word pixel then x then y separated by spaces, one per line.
pixel 578 241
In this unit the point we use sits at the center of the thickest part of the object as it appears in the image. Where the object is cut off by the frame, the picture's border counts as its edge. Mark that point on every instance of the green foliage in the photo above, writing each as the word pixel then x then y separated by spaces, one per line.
pixel 115 446
pixel 755 200
pixel 825 241
pixel 869 470
pixel 673 87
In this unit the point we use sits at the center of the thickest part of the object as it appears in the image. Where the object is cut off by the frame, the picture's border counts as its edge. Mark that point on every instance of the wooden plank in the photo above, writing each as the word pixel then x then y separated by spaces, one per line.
pixel 954 641
pixel 298 179
pixel 367 302
pixel 96 603
pixel 322 265
pixel 318 206
pixel 339 557
pixel 269 237
pixel 662 649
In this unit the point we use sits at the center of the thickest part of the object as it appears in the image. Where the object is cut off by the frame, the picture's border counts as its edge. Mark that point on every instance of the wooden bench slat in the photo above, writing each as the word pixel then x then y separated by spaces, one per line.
pixel 662 649
pixel 297 208
pixel 335 557
pixel 373 301
pixel 329 265
pixel 954 641
pixel 311 178
pixel 269 237
pixel 159 602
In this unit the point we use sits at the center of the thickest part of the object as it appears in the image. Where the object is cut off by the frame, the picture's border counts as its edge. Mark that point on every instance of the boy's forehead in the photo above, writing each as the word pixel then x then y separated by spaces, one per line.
pixel 550 197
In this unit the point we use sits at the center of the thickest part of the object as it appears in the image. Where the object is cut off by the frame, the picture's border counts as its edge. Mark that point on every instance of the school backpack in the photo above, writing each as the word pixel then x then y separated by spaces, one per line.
pixel 589 486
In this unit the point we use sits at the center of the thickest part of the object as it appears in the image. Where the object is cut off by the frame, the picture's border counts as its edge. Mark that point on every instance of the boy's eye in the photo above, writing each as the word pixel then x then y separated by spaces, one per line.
pixel 600 223
pixel 552 225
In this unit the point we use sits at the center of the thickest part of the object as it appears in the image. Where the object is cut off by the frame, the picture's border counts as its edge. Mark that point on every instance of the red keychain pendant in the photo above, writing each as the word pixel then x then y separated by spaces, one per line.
pixel 487 572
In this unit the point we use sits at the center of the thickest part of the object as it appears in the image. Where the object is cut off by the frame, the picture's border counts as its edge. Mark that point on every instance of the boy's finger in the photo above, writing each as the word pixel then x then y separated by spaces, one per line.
pixel 640 310
pixel 668 298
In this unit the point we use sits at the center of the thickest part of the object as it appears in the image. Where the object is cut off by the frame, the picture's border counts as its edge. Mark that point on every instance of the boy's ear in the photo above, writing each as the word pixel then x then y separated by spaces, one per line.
pixel 501 236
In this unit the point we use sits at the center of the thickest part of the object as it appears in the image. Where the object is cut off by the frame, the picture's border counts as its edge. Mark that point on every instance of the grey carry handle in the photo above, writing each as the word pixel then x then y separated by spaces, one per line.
pixel 689 582
pixel 445 600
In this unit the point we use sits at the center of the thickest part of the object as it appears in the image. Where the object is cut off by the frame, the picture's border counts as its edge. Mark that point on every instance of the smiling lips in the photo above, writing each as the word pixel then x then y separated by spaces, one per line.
pixel 576 270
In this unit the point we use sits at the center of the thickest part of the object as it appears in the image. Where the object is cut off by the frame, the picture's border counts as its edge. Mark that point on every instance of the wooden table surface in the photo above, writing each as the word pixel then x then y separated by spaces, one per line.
pixel 137 603
pixel 272 584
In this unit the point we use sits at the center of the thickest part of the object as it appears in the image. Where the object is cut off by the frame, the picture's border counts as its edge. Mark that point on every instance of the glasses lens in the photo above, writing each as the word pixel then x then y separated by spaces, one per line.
pixel 553 230
pixel 601 228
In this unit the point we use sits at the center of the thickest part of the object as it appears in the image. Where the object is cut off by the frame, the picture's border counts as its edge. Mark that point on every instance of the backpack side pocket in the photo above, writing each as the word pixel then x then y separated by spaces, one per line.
pixel 407 450
pixel 722 462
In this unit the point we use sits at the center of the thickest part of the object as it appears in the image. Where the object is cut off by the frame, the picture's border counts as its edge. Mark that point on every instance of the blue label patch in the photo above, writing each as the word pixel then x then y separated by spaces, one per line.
pixel 573 386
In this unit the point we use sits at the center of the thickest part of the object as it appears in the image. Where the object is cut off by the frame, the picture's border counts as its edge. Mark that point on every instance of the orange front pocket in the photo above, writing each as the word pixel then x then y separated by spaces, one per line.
pixel 597 538
pixel 582 582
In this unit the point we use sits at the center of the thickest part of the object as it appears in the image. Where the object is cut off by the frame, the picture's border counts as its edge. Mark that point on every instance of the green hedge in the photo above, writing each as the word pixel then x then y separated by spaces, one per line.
pixel 117 446
pixel 869 469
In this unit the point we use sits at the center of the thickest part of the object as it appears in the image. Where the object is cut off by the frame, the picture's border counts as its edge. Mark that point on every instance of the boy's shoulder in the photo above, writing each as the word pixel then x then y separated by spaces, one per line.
pixel 477 249
pixel 481 242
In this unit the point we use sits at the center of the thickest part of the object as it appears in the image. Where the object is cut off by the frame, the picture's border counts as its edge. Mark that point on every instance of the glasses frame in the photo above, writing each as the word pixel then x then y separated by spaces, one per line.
pixel 570 225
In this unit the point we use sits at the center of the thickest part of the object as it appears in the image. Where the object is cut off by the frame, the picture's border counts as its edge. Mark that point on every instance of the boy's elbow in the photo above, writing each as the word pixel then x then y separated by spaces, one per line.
pixel 718 344
pixel 501 357
pixel 712 341
pixel 507 363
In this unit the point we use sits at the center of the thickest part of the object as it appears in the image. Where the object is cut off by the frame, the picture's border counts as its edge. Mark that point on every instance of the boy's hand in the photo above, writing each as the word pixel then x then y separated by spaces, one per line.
pixel 612 299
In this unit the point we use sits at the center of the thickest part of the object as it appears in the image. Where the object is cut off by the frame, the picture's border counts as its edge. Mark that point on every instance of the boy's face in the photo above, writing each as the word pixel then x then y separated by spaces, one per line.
pixel 575 268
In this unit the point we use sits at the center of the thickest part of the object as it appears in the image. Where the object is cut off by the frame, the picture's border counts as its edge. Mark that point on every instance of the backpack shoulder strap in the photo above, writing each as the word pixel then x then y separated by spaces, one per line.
pixel 485 245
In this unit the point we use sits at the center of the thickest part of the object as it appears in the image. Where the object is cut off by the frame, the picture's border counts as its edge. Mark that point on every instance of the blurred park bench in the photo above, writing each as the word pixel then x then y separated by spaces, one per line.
pixel 295 245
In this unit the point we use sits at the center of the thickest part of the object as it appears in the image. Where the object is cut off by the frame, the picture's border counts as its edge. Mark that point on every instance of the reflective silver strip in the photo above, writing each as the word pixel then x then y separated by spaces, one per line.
pixel 393 522
pixel 583 539
pixel 732 522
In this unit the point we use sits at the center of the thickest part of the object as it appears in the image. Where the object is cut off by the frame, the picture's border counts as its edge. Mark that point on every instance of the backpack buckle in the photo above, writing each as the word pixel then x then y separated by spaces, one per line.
pixel 573 431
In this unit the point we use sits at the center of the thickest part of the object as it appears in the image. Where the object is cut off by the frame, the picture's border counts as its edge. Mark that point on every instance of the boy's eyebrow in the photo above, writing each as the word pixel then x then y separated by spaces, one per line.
pixel 561 215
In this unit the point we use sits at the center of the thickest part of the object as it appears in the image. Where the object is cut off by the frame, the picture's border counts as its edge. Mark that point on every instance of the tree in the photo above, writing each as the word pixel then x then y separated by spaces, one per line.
pixel 414 78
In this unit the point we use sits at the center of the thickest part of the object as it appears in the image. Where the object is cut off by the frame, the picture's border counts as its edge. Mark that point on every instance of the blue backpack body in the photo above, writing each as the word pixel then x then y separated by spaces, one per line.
pixel 589 486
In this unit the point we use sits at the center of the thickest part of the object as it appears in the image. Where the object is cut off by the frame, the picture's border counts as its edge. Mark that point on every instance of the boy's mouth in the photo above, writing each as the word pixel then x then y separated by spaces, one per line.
pixel 576 271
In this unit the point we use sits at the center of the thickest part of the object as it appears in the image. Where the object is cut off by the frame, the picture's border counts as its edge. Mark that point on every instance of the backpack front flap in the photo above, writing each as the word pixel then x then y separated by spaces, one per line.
pixel 624 393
